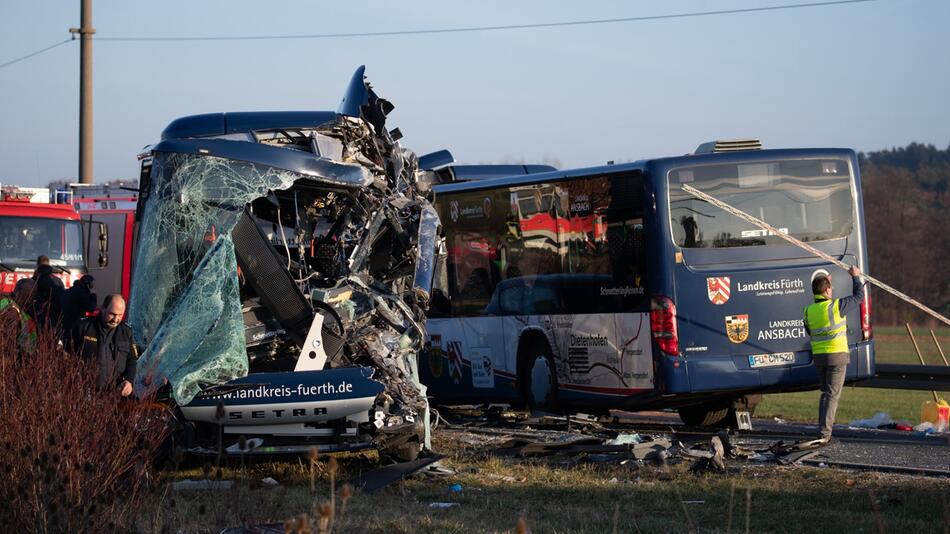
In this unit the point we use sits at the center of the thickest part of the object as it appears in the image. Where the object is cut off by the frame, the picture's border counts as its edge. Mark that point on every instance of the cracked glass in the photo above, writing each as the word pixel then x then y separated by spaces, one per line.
pixel 185 303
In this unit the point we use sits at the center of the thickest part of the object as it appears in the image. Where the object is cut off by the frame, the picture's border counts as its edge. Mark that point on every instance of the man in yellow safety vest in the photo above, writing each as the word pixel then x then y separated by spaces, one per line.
pixel 826 323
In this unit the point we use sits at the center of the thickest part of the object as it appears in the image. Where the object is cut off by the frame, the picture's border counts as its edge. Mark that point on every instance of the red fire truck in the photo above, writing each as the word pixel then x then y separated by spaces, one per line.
pixel 114 208
pixel 32 226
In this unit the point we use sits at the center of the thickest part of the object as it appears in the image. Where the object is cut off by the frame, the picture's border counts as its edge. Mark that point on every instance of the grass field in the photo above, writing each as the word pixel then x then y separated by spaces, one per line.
pixel 892 345
pixel 571 497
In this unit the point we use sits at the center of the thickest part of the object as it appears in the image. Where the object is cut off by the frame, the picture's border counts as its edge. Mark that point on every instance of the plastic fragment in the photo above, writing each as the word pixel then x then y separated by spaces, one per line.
pixel 880 419
pixel 624 439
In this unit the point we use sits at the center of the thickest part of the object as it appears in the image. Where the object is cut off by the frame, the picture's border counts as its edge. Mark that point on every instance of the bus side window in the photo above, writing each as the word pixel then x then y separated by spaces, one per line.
pixel 605 264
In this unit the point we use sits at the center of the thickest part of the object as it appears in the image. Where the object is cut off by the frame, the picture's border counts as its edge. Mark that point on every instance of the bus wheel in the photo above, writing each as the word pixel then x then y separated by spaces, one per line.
pixel 703 415
pixel 540 379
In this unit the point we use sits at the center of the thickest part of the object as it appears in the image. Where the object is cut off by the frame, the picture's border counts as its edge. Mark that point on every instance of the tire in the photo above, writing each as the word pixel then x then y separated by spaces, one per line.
pixel 539 379
pixel 703 415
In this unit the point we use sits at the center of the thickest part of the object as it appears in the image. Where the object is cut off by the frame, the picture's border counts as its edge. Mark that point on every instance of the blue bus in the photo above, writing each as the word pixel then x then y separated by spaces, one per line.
pixel 610 287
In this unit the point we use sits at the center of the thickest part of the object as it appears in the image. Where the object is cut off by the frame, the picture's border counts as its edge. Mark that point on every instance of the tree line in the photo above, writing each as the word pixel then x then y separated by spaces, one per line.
pixel 905 212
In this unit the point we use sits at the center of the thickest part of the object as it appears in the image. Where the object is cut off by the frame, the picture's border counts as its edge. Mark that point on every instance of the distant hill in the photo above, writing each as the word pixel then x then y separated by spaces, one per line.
pixel 906 211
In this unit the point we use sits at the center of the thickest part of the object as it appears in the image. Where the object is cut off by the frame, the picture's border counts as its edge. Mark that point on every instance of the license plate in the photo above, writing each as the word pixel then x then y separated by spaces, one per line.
pixel 771 360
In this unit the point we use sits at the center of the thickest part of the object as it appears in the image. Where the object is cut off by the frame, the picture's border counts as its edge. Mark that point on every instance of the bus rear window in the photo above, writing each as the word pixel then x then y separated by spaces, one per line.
pixel 807 199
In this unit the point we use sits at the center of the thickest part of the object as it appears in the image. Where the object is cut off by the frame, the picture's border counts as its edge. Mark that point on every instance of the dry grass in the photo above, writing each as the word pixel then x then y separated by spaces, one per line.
pixel 74 458
pixel 579 497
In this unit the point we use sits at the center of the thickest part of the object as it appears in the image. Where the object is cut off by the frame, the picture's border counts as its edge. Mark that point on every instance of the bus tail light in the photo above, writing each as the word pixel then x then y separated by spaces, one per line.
pixel 865 309
pixel 663 324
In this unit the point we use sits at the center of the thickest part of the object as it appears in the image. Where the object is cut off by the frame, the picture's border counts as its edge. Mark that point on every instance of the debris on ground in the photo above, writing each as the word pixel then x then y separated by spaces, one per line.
pixel 444 505
pixel 927 428
pixel 377 479
pixel 879 420
pixel 189 485
pixel 715 462
pixel 269 482
pixel 624 439
pixel 437 470
pixel 619 444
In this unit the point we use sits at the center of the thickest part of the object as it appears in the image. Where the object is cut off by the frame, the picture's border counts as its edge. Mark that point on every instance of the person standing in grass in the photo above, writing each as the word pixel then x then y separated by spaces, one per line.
pixel 827 326
pixel 77 302
pixel 14 317
pixel 107 340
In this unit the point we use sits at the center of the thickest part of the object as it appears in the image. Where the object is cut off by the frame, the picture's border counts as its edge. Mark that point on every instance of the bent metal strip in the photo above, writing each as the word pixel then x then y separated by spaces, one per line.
pixel 775 231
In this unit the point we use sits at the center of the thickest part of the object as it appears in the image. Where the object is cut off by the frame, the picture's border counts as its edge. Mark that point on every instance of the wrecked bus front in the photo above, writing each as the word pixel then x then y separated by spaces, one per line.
pixel 281 277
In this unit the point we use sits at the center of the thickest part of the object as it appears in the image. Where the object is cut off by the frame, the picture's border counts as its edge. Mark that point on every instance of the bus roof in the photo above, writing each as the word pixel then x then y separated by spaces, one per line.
pixel 215 124
pixel 641 165
pixel 43 211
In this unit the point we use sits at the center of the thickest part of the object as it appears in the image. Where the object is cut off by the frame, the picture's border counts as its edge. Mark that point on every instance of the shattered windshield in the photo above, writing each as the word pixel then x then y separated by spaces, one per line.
pixel 186 305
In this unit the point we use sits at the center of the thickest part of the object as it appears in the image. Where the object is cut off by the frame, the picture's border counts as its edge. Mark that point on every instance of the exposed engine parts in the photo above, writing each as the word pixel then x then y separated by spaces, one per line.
pixel 270 254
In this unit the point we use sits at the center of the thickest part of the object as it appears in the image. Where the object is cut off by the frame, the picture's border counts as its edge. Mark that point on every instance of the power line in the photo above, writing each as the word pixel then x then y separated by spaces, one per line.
pixel 31 54
pixel 456 30
pixel 488 28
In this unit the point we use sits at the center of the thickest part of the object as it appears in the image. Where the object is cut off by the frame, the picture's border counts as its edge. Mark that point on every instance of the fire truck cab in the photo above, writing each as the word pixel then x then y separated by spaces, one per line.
pixel 32 226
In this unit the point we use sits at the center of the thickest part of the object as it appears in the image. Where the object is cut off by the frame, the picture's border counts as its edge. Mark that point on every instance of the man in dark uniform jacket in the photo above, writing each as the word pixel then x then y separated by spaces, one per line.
pixel 107 340
pixel 77 302
pixel 47 298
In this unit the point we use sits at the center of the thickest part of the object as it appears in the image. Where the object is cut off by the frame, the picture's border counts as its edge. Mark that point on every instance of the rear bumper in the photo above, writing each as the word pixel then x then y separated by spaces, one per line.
pixel 733 373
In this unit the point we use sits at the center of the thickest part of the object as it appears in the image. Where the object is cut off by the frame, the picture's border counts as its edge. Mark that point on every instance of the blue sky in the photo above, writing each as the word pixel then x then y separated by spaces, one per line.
pixel 866 76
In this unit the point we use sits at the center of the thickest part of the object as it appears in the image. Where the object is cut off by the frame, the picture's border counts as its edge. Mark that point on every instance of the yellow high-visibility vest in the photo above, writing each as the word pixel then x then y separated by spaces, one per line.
pixel 829 330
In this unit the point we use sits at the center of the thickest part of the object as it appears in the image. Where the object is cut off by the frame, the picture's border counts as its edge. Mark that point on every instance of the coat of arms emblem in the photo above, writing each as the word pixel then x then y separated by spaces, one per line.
pixel 717 289
pixel 737 327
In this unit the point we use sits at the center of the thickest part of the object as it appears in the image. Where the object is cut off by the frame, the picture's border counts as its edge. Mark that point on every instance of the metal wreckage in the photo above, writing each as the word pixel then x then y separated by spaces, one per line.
pixel 283 268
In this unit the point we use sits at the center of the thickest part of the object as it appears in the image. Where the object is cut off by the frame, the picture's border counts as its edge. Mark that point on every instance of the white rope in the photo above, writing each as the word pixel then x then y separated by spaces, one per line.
pixel 766 226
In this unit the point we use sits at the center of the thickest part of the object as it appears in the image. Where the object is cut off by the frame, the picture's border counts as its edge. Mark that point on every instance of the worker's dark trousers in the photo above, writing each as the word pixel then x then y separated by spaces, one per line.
pixel 831 382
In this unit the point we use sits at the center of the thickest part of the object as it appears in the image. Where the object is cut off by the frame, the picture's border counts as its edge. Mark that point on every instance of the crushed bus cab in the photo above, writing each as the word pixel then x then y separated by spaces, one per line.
pixel 283 267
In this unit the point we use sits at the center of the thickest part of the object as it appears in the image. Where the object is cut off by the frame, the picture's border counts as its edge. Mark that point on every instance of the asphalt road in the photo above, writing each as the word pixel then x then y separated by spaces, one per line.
pixel 859 446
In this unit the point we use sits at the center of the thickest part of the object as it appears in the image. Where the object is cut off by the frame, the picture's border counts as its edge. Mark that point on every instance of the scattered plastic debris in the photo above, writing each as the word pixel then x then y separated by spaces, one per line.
pixel 715 461
pixel 879 420
pixel 454 488
pixel 926 428
pixel 625 439
pixel 249 445
pixel 444 505
pixel 269 482
pixel 188 485
pixel 438 470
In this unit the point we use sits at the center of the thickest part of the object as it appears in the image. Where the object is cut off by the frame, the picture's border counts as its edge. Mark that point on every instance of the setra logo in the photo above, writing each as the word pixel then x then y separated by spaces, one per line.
pixel 717 289
pixel 737 327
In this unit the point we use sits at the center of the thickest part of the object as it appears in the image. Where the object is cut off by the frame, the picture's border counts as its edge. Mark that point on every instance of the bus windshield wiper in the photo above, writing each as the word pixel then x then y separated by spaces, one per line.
pixel 7 267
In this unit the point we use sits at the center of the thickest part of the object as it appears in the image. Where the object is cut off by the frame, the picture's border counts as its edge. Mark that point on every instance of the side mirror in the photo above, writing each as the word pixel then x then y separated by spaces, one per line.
pixel 103 245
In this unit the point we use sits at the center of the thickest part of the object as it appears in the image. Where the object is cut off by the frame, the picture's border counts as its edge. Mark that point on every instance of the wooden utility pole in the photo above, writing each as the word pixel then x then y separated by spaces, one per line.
pixel 85 32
